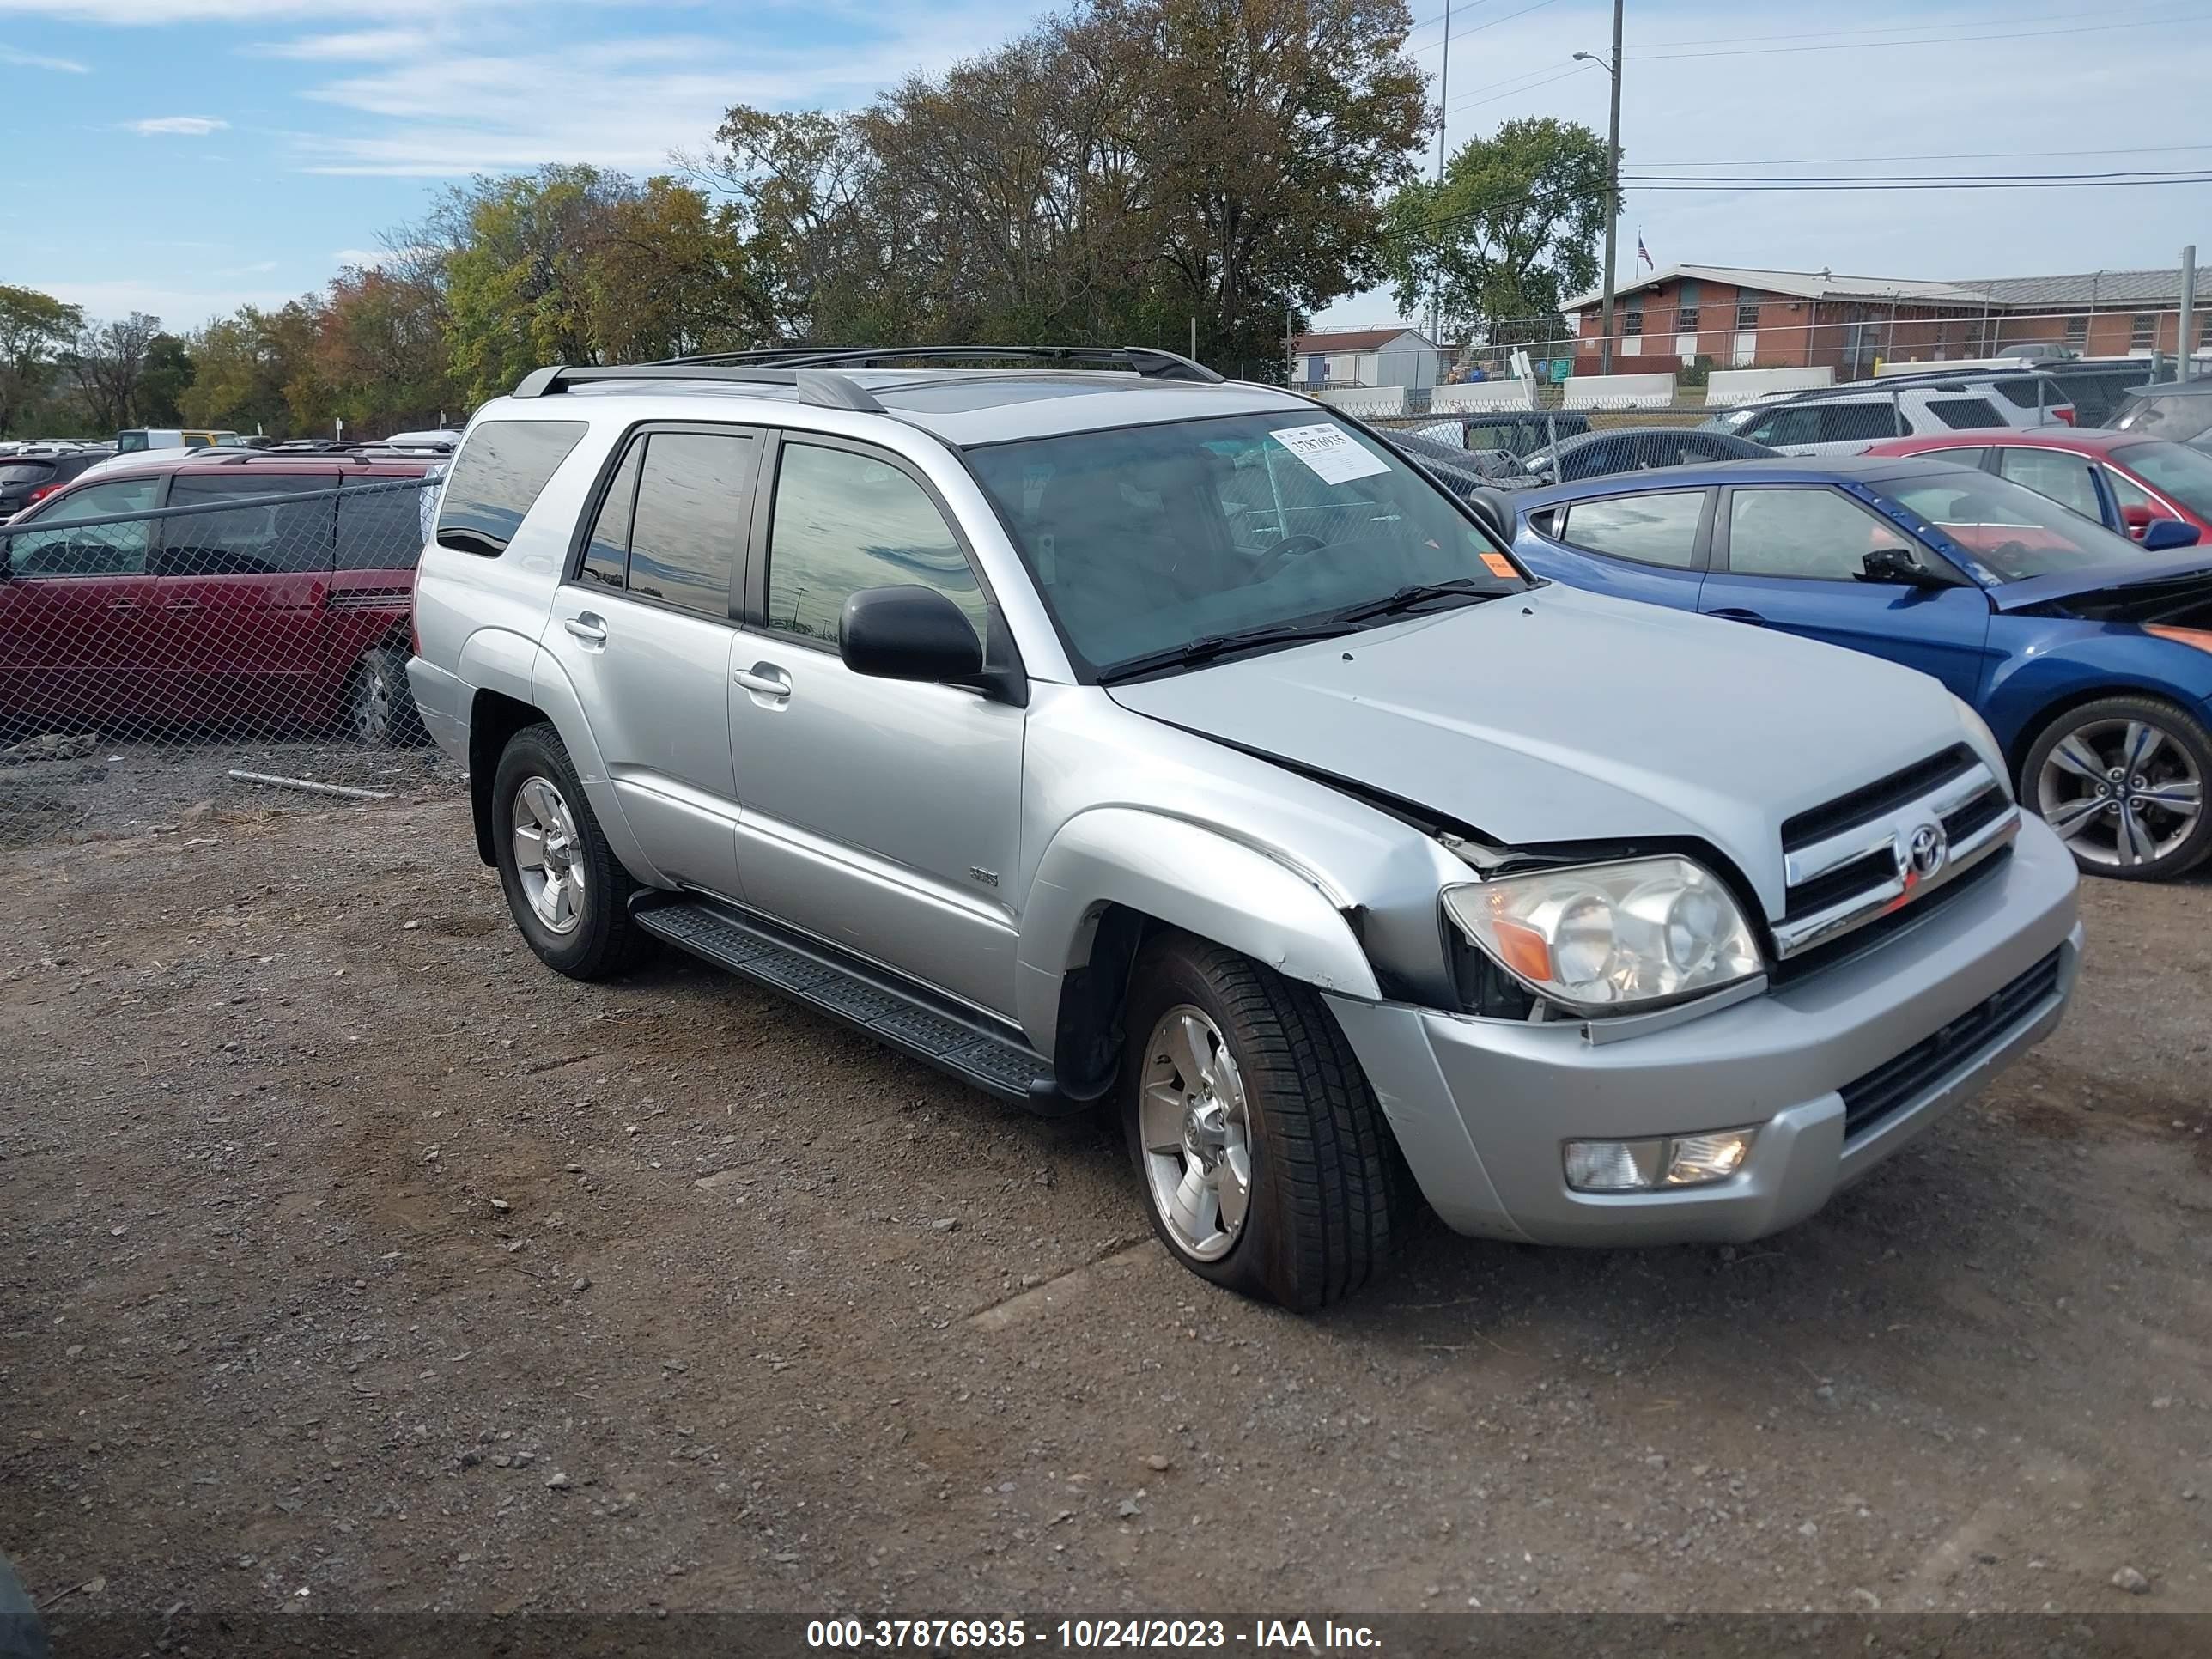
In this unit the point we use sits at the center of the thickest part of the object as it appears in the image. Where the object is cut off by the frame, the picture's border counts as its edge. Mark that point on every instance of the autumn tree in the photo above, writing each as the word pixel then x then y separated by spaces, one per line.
pixel 254 370
pixel 667 276
pixel 1510 230
pixel 33 328
pixel 107 364
pixel 378 357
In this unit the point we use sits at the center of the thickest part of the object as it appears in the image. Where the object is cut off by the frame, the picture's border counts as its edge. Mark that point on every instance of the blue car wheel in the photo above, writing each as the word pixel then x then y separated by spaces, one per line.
pixel 2122 781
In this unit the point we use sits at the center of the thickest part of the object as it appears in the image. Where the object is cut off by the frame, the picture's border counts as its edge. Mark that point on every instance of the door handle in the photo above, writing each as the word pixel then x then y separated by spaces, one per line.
pixel 122 604
pixel 763 679
pixel 589 627
pixel 180 604
pixel 1737 614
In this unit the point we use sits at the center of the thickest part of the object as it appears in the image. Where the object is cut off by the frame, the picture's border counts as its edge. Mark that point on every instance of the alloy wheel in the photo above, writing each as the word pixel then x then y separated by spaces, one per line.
pixel 2120 792
pixel 1196 1120
pixel 549 855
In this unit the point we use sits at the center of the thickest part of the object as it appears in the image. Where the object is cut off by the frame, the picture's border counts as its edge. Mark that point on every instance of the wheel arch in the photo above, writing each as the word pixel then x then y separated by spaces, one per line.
pixel 1113 877
pixel 494 719
pixel 2038 716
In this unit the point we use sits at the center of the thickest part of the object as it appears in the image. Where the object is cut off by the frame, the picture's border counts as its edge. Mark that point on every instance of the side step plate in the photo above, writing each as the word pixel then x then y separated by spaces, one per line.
pixel 894 1014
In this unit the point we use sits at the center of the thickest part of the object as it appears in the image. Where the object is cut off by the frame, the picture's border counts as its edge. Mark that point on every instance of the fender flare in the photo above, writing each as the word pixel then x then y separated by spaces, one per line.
pixel 552 691
pixel 1188 875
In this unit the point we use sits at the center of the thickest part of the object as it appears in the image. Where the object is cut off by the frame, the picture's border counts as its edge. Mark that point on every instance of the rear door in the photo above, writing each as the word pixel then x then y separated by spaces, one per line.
pixel 380 534
pixel 239 594
pixel 1648 546
pixel 1792 557
pixel 76 631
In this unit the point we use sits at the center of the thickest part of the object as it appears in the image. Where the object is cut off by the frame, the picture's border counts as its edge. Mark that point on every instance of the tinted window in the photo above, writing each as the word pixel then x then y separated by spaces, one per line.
pixel 1650 529
pixel 251 539
pixel 21 472
pixel 1961 413
pixel 380 526
pixel 1852 422
pixel 844 522
pixel 2023 390
pixel 503 467
pixel 689 524
pixel 606 556
pixel 1811 534
pixel 111 550
pixel 2065 478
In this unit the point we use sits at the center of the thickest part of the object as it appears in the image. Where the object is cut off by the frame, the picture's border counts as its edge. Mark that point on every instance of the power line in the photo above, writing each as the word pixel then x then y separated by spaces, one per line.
pixel 1938 183
pixel 1897 28
pixel 1476 103
pixel 1950 155
pixel 2128 175
pixel 1891 45
pixel 1477 28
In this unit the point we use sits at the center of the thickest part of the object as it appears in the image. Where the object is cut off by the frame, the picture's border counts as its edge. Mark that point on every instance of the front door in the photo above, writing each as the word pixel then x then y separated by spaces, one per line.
pixel 1792 557
pixel 642 630
pixel 882 816
pixel 76 647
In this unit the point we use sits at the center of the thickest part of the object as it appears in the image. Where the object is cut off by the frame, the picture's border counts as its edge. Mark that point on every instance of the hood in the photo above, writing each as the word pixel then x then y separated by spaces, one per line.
pixel 2106 580
pixel 1558 715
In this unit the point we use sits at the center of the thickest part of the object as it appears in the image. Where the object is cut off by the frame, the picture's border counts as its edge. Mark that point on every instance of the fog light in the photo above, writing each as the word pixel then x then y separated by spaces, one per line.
pixel 1614 1166
pixel 1695 1159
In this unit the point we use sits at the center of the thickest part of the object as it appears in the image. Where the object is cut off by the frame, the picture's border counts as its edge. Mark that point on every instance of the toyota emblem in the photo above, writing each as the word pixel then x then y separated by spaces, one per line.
pixel 1928 850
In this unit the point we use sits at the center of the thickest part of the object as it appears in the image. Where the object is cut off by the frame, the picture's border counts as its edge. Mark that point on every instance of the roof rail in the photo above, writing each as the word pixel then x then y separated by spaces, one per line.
pixel 1148 362
pixel 833 391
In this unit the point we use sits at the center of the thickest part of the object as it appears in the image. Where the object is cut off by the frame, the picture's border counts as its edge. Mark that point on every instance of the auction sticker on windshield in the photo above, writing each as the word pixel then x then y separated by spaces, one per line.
pixel 1328 452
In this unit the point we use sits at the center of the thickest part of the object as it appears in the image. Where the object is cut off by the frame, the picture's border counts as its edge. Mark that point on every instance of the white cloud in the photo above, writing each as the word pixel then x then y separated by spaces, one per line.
pixel 179 126
pixel 362 45
pixel 180 309
pixel 360 259
pixel 39 60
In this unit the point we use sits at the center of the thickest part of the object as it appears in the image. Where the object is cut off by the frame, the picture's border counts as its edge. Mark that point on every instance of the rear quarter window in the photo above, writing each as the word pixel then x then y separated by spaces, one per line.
pixel 1961 413
pixel 501 469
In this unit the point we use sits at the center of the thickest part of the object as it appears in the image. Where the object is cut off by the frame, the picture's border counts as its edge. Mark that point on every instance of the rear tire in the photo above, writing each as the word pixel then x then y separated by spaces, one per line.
pixel 2122 781
pixel 1271 1172
pixel 380 704
pixel 566 890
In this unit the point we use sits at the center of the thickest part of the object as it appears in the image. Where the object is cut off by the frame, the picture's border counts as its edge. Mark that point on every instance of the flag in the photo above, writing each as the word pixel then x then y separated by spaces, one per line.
pixel 1643 254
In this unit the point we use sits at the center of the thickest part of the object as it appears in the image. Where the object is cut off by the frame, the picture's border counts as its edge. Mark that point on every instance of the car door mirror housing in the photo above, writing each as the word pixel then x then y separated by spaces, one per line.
pixel 908 632
pixel 2161 534
pixel 1494 510
pixel 1895 565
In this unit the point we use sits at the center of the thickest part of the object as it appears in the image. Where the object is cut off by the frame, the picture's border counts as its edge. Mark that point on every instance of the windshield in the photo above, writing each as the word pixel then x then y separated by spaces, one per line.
pixel 2010 531
pixel 2180 416
pixel 1145 539
pixel 2176 471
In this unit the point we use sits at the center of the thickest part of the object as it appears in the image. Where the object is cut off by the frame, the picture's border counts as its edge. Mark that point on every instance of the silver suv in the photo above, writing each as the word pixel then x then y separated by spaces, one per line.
pixel 1127 736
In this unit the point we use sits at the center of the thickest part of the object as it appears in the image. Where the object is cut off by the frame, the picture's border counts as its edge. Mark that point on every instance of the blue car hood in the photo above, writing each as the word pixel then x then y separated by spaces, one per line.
pixel 2106 579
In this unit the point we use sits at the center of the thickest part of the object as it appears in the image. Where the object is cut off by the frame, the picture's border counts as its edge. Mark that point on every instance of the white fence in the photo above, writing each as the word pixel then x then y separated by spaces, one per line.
pixel 1377 400
pixel 1618 392
pixel 1728 386
pixel 1460 396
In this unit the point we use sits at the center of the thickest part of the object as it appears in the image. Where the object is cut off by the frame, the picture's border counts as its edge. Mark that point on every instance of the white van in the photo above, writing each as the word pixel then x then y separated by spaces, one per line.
pixel 137 438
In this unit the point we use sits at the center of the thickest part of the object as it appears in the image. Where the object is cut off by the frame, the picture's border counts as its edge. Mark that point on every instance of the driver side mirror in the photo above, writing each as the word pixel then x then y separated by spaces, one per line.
pixel 2160 534
pixel 1492 509
pixel 1895 565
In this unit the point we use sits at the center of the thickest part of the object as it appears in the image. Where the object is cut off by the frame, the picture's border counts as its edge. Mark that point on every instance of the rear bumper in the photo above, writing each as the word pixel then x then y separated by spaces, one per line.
pixel 1482 1108
pixel 442 700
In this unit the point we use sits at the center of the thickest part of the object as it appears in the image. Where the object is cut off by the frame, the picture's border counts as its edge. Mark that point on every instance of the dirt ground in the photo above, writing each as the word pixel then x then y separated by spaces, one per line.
pixel 347 1255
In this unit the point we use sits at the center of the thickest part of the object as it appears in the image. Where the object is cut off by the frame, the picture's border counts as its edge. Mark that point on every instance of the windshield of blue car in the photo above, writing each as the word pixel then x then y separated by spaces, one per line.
pixel 1148 538
pixel 2178 472
pixel 2011 531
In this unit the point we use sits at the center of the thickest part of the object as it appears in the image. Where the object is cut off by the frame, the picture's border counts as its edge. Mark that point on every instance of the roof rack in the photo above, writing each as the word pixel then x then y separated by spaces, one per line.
pixel 1148 362
pixel 834 391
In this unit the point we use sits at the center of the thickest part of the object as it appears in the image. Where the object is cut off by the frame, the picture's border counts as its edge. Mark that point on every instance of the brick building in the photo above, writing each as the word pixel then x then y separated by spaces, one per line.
pixel 1738 317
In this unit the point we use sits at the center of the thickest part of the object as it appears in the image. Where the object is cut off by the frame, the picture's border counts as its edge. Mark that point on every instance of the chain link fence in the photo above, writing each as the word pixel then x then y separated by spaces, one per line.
pixel 156 664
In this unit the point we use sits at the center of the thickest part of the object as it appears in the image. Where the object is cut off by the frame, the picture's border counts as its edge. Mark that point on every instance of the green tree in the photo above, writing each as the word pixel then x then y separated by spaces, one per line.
pixel 33 328
pixel 1510 230
pixel 379 358
pixel 107 363
pixel 254 370
pixel 668 278
pixel 162 387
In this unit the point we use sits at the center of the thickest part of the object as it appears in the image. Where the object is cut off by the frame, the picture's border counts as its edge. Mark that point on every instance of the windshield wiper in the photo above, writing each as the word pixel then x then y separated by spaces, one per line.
pixel 1211 646
pixel 1420 593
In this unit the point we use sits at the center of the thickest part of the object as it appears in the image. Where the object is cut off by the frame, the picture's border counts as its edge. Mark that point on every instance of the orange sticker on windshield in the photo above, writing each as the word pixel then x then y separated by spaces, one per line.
pixel 1499 565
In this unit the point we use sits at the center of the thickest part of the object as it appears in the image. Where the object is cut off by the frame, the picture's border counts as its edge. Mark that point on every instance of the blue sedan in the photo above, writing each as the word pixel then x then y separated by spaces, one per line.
pixel 2090 657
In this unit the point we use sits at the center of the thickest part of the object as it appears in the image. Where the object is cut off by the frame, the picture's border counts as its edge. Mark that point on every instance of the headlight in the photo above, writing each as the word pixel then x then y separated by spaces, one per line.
pixel 1604 936
pixel 1985 741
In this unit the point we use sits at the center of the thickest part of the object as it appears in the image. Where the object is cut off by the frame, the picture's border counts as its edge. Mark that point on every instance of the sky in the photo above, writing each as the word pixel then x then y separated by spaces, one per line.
pixel 185 156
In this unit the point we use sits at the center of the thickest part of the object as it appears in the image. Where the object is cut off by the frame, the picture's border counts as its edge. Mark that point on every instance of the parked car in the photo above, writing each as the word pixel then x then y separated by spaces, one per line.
pixel 1847 419
pixel 2146 489
pixel 266 614
pixel 2090 659
pixel 1462 471
pixel 1640 449
pixel 133 440
pixel 28 475
pixel 2179 410
pixel 1147 736
pixel 1517 432
pixel 2098 386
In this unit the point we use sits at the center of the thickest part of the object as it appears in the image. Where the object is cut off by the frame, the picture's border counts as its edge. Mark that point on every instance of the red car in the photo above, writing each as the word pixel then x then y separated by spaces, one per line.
pixel 2123 480
pixel 273 613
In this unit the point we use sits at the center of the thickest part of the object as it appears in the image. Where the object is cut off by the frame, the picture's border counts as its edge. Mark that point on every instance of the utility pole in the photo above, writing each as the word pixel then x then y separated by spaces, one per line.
pixel 1443 120
pixel 2188 313
pixel 1612 191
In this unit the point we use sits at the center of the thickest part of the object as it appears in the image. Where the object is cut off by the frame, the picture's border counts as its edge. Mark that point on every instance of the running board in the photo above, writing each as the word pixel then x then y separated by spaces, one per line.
pixel 905 1016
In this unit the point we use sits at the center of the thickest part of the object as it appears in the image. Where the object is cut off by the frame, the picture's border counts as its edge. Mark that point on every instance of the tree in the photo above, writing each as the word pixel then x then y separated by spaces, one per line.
pixel 254 371
pixel 33 326
pixel 108 362
pixel 162 386
pixel 668 278
pixel 1510 230
pixel 378 357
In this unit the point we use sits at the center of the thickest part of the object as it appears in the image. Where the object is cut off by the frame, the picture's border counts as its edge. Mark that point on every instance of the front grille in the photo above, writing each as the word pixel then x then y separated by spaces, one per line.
pixel 1871 1100
pixel 1850 864
pixel 1869 934
pixel 1877 799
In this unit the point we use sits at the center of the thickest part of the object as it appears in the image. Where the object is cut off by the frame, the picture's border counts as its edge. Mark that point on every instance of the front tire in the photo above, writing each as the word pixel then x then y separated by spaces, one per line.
pixel 566 890
pixel 2122 781
pixel 1266 1163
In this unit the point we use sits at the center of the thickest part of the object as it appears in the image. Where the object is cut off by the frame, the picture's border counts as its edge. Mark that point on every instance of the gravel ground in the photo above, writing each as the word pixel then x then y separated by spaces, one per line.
pixel 347 1255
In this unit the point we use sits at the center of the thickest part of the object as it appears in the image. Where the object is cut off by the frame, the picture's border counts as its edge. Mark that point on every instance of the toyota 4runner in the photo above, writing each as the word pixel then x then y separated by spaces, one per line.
pixel 1099 731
